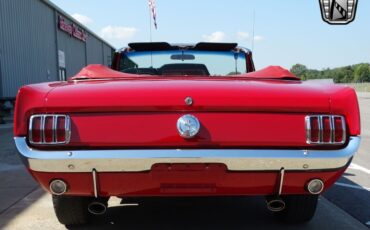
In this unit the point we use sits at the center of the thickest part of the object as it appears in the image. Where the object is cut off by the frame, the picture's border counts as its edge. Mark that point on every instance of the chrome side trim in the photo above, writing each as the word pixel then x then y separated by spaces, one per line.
pixel 308 129
pixel 42 129
pixel 68 129
pixel 343 128
pixel 134 160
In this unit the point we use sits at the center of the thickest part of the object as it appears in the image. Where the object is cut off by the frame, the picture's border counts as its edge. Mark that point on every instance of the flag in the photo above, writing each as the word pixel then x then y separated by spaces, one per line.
pixel 153 11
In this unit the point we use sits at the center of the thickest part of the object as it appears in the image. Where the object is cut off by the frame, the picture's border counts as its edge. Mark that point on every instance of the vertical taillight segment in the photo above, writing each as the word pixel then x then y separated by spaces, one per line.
pixel 35 132
pixel 325 129
pixel 61 129
pixel 340 129
pixel 49 129
pixel 314 129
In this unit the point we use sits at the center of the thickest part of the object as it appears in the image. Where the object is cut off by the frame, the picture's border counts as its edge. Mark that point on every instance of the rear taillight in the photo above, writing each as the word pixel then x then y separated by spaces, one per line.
pixel 49 129
pixel 325 129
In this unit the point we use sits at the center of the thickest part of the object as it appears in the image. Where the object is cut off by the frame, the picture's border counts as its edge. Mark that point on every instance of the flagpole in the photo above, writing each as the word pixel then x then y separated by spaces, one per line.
pixel 150 35
pixel 150 25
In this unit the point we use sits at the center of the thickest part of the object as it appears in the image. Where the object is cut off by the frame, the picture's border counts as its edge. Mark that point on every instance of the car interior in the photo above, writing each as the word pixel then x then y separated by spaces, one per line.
pixel 172 69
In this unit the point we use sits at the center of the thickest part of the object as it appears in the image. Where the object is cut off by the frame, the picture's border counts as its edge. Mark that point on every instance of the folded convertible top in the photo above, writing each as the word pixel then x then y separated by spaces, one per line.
pixel 103 72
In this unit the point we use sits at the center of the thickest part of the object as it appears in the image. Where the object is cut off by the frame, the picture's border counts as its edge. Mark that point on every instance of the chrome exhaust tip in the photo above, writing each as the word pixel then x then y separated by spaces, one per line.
pixel 315 186
pixel 58 187
pixel 276 205
pixel 97 208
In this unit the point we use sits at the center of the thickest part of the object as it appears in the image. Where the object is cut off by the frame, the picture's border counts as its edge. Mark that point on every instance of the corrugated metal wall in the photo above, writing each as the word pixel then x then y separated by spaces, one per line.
pixel 94 51
pixel 29 44
pixel 107 52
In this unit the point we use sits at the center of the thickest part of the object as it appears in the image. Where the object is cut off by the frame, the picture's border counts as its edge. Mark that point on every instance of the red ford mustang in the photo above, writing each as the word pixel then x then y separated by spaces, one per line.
pixel 185 120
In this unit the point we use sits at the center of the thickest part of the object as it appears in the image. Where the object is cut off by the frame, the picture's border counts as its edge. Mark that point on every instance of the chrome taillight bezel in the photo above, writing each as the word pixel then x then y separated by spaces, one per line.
pixel 67 127
pixel 321 130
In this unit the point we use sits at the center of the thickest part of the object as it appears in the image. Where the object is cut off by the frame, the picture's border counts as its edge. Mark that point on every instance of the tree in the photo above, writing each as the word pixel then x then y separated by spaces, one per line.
pixel 362 73
pixel 344 74
pixel 299 70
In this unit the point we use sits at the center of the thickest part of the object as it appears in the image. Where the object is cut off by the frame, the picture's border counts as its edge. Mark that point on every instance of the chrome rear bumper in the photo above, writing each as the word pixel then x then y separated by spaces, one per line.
pixel 135 160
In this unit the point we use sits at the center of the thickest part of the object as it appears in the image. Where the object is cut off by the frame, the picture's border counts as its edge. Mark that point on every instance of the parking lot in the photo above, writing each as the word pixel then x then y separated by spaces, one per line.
pixel 23 205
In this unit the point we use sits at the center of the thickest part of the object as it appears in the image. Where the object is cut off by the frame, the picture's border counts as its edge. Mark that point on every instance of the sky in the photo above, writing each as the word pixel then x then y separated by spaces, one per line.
pixel 286 31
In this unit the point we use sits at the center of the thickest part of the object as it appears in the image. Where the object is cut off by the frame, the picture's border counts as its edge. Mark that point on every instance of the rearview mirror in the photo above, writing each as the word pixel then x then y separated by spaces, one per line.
pixel 182 57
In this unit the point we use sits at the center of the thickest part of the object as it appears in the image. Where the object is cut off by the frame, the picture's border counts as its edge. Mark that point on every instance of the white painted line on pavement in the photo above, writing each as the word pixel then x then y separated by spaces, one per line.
pixel 352 186
pixel 359 167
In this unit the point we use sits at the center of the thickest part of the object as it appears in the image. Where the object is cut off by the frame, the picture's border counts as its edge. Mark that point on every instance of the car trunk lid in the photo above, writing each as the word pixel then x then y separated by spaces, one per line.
pixel 233 112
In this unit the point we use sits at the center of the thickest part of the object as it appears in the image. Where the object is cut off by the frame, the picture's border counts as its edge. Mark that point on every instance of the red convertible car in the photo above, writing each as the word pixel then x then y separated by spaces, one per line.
pixel 185 120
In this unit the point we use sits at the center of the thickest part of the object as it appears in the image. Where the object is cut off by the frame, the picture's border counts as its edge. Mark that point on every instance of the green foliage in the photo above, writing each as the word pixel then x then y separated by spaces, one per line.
pixel 346 74
pixel 299 70
pixel 362 73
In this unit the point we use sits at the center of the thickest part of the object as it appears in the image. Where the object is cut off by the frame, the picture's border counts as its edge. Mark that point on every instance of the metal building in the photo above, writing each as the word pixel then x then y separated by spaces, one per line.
pixel 39 42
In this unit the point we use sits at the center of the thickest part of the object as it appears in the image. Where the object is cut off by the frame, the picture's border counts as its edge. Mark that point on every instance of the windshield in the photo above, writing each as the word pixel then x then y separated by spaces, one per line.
pixel 184 62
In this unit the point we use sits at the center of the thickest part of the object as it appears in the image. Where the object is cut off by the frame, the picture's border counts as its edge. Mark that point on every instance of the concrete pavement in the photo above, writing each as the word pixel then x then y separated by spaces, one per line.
pixel 35 212
pixel 352 191
pixel 15 181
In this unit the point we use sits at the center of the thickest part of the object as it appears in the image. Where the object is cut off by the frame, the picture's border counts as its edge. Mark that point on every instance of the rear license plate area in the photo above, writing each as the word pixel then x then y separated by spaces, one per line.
pixel 188 178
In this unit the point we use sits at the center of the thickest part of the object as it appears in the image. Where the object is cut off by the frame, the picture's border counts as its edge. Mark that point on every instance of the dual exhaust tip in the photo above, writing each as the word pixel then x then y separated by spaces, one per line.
pixel 59 187
pixel 97 208
pixel 315 186
pixel 276 204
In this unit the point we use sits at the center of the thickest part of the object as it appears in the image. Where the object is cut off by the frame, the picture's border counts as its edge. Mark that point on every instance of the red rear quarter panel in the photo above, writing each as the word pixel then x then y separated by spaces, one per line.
pixel 344 101
pixel 30 100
